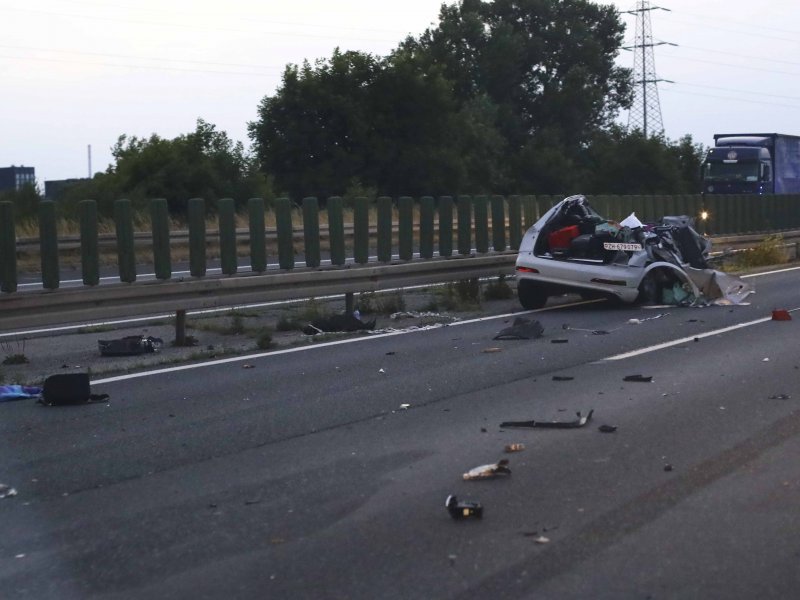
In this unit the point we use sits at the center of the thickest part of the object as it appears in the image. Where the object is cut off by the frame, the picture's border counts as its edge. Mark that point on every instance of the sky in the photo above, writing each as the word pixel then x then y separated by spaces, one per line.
pixel 80 73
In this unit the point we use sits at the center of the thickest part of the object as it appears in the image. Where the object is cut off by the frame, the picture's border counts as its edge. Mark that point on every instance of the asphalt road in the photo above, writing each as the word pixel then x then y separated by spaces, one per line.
pixel 304 476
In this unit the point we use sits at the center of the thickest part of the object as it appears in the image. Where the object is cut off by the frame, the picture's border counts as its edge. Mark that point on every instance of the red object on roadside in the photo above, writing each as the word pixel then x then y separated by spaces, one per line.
pixel 560 239
pixel 781 315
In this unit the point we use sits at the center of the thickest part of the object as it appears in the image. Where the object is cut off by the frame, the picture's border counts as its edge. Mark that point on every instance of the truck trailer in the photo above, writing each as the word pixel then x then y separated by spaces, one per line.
pixel 752 163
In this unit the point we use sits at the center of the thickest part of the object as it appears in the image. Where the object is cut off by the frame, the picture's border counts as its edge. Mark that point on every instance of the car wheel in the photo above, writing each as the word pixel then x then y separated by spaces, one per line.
pixel 649 289
pixel 531 294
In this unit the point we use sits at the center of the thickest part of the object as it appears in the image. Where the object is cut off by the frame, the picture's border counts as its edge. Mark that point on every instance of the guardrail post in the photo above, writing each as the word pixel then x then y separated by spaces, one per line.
pixel 283 221
pixel 446 226
pixel 405 209
pixel 226 224
pixel 481 224
pixel 48 242
pixel 311 231
pixel 514 222
pixel 159 223
pixel 498 223
pixel 361 230
pixel 384 229
pixel 197 237
pixel 426 227
pixel 336 230
pixel 258 242
pixel 90 256
pixel 8 248
pixel 530 211
pixel 464 209
pixel 126 256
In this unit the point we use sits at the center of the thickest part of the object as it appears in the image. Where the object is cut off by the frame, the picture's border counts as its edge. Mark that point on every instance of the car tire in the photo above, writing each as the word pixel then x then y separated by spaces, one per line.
pixel 649 289
pixel 531 295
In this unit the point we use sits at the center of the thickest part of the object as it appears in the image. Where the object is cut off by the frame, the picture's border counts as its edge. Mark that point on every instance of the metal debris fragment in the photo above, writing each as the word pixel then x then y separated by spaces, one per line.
pixel 607 428
pixel 638 378
pixel 487 471
pixel 579 422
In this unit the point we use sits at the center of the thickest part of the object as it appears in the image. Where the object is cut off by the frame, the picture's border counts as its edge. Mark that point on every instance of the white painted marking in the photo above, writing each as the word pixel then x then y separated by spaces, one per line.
pixel 769 272
pixel 684 340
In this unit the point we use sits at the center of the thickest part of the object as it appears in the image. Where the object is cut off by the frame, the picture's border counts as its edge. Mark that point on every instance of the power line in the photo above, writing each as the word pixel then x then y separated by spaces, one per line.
pixel 731 98
pixel 722 64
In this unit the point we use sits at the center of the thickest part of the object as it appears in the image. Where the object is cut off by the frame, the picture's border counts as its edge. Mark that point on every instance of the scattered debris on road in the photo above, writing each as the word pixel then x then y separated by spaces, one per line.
pixel 566 327
pixel 491 350
pixel 638 378
pixel 464 509
pixel 130 345
pixel 542 540
pixel 6 491
pixel 69 388
pixel 780 397
pixel 488 471
pixel 338 323
pixel 514 448
pixel 579 422
pixel 559 341
pixel 607 428
pixel 521 329
pixel 18 392
pixel 405 406
pixel 781 315
pixel 668 467
pixel 562 378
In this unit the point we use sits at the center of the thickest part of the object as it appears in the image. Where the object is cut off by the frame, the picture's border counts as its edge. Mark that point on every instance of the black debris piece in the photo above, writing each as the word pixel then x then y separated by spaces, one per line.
pixel 600 332
pixel 562 378
pixel 130 345
pixel 780 397
pixel 668 467
pixel 521 329
pixel 638 378
pixel 559 341
pixel 335 323
pixel 607 428
pixel 484 430
pixel 463 509
pixel 566 327
pixel 579 422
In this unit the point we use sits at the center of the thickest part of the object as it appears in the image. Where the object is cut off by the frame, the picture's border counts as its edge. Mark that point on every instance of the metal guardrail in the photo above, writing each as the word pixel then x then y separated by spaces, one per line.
pixel 42 307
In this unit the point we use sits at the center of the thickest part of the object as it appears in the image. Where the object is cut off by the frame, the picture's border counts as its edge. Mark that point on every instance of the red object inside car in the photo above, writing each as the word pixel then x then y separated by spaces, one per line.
pixel 560 239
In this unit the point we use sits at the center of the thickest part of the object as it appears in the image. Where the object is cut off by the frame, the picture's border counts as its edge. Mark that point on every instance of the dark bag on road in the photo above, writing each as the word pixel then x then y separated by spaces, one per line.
pixel 69 388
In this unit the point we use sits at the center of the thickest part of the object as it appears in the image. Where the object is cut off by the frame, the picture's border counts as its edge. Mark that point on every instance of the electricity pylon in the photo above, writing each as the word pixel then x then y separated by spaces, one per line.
pixel 645 113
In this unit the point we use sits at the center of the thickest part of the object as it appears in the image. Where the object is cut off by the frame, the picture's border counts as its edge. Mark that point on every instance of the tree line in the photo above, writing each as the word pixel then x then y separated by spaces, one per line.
pixel 502 97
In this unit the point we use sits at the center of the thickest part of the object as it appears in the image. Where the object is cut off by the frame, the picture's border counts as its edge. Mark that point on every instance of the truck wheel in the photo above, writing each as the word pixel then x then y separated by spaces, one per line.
pixel 531 294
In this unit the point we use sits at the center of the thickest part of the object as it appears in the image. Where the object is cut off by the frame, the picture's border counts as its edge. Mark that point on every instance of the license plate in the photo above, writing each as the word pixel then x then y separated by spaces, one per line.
pixel 622 246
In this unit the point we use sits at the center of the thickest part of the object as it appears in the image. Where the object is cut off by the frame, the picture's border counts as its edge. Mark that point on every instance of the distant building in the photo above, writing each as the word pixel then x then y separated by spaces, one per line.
pixel 14 178
pixel 56 188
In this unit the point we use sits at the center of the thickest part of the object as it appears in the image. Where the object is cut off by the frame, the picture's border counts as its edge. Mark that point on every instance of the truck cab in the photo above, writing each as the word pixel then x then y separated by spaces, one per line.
pixel 752 163
pixel 739 165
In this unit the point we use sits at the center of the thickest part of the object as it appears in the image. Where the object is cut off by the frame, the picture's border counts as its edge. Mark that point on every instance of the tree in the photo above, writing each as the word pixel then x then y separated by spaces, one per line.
pixel 626 162
pixel 205 163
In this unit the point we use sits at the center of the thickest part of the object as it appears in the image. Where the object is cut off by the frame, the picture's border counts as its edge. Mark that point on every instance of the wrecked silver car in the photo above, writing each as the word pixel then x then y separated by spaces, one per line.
pixel 573 249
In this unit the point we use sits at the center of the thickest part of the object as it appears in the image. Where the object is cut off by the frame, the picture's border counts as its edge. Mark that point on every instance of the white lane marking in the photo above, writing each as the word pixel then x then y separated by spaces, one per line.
pixel 684 340
pixel 234 359
pixel 769 272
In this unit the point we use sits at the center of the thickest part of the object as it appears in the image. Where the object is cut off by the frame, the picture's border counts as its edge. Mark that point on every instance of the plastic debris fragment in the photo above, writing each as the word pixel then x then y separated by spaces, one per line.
pixel 463 509
pixel 781 315
pixel 514 448
pixel 579 422
pixel 6 491
pixel 405 406
pixel 542 540
pixel 487 471
pixel 607 428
